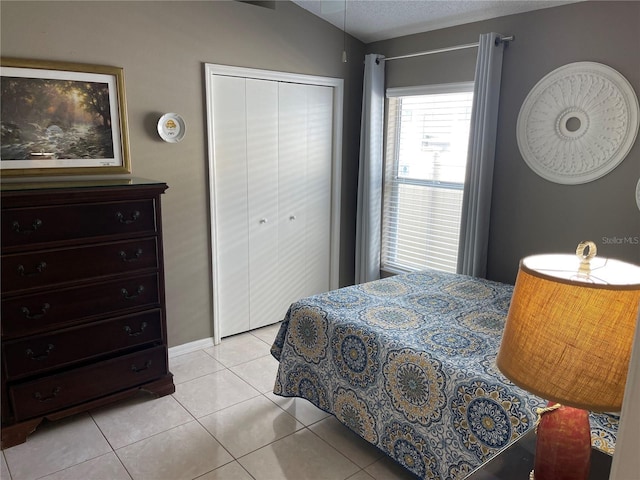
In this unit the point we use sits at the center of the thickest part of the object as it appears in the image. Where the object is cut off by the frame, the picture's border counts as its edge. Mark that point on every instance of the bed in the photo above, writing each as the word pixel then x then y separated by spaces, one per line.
pixel 408 363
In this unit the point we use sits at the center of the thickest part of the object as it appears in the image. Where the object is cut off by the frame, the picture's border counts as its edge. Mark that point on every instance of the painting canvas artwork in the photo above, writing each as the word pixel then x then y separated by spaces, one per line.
pixel 62 118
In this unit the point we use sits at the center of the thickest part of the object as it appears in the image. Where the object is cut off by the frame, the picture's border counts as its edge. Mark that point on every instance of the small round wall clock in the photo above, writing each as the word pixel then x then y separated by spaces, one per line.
pixel 171 127
pixel 578 123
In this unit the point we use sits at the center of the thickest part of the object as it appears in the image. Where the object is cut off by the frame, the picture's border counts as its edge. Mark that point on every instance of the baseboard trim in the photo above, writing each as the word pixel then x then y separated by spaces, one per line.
pixel 190 347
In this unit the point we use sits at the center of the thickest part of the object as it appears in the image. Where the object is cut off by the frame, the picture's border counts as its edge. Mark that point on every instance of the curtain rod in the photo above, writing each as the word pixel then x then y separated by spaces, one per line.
pixel 447 49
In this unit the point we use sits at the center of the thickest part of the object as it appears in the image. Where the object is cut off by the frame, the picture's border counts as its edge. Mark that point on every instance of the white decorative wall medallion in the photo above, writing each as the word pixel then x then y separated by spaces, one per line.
pixel 578 123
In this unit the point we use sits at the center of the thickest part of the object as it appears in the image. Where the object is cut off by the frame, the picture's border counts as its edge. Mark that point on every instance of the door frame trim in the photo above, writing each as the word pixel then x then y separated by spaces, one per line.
pixel 211 70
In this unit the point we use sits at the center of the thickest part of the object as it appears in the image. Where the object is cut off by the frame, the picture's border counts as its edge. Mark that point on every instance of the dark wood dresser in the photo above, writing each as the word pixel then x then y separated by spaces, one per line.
pixel 82 293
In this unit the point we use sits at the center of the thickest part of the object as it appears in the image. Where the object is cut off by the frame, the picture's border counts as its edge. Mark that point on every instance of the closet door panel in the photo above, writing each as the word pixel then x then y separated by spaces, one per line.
pixel 318 191
pixel 231 229
pixel 292 191
pixel 262 181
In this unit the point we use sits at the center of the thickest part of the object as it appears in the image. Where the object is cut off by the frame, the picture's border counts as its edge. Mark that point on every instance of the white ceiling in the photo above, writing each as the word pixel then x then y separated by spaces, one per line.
pixel 374 20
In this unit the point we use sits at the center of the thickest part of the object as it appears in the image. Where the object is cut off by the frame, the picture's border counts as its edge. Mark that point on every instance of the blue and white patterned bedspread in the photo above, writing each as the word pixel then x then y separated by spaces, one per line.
pixel 408 363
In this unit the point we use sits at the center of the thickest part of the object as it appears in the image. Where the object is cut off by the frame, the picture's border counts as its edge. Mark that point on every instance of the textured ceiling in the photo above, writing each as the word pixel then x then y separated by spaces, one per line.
pixel 374 20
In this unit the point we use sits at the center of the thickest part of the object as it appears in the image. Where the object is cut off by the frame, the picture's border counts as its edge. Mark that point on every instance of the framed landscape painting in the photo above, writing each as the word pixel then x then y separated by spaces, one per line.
pixel 62 119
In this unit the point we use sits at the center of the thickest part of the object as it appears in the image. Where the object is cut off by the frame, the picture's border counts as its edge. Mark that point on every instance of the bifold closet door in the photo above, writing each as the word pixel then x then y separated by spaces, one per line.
pixel 305 145
pixel 272 189
pixel 231 201
pixel 318 189
pixel 292 183
pixel 263 190
pixel 246 190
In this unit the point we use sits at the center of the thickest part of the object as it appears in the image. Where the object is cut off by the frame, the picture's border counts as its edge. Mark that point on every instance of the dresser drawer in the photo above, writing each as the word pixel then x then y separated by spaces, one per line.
pixel 43 352
pixel 50 267
pixel 32 225
pixel 30 314
pixel 46 395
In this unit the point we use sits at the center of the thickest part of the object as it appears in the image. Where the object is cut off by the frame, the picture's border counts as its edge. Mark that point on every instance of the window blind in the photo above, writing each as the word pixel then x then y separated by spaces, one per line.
pixel 425 163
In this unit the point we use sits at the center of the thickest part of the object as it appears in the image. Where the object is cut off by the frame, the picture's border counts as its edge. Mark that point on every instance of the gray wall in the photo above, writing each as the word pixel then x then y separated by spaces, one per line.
pixel 529 214
pixel 162 47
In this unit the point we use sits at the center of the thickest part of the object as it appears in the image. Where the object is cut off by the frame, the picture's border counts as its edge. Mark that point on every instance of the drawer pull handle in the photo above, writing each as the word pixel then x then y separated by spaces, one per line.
pixel 37 223
pixel 54 393
pixel 146 366
pixel 125 293
pixel 133 258
pixel 131 333
pixel 34 316
pixel 134 217
pixel 39 269
pixel 30 353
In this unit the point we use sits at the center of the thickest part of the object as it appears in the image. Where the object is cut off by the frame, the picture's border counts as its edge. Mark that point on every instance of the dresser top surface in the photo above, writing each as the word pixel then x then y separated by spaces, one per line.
pixel 39 185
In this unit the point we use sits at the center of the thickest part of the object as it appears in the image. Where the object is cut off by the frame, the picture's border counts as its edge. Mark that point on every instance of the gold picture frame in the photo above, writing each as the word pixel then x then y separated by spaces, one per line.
pixel 62 118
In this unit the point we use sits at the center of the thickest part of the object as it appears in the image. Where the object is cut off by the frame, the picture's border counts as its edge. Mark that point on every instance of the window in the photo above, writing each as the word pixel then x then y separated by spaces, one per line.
pixel 425 162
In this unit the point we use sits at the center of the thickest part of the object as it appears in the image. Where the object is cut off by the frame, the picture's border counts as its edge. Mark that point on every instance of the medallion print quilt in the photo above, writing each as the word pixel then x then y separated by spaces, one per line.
pixel 408 363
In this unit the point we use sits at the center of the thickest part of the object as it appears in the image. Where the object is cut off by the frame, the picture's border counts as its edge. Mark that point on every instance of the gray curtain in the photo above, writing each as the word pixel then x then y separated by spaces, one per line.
pixel 370 176
pixel 476 204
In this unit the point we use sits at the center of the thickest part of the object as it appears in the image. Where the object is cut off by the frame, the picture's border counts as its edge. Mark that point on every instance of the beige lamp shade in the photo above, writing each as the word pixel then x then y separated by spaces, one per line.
pixel 569 330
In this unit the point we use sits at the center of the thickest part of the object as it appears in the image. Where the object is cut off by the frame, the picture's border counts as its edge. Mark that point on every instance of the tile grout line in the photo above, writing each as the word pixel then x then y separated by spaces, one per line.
pixel 261 394
pixel 192 417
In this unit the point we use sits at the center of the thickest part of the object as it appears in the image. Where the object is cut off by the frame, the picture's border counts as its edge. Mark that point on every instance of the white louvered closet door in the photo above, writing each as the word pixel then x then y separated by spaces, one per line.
pixel 273 167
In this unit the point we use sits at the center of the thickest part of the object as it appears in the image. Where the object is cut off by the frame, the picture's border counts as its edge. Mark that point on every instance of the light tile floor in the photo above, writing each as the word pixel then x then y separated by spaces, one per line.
pixel 222 423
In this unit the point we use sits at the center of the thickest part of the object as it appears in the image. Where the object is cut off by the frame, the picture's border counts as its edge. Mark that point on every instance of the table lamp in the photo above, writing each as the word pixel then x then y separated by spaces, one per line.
pixel 568 339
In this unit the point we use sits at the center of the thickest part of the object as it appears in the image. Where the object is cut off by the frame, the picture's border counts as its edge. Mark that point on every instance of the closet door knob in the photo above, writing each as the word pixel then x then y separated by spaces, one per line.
pixel 263 220
pixel 292 218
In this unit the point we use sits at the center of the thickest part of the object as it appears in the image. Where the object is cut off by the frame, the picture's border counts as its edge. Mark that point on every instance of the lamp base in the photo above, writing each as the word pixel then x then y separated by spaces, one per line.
pixel 563 446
